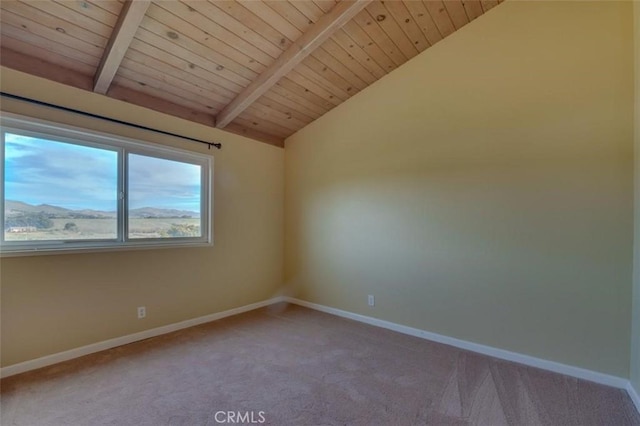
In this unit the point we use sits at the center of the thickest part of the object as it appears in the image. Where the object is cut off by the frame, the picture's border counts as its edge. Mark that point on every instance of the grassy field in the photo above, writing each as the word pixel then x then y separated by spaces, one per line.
pixel 98 229
pixel 164 227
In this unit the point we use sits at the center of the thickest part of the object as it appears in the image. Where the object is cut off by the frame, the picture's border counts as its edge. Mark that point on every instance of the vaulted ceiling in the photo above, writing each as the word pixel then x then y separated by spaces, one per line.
pixel 263 69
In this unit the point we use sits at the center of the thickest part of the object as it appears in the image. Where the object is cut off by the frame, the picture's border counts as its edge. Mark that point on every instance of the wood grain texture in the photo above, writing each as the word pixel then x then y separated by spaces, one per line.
pixel 126 90
pixel 309 41
pixel 287 61
pixel 126 27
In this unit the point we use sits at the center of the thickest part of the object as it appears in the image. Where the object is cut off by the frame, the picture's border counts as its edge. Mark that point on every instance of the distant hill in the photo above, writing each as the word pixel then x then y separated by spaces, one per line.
pixel 16 208
pixel 155 212
pixel 94 213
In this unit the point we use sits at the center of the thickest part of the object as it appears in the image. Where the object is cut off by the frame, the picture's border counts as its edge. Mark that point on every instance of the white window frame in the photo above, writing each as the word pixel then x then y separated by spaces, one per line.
pixel 13 123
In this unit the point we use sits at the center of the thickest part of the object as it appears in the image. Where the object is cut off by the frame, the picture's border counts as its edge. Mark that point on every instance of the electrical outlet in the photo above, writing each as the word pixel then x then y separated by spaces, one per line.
pixel 142 312
pixel 371 300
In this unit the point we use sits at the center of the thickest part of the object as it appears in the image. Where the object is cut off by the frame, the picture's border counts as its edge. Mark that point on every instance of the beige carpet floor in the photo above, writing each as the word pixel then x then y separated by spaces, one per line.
pixel 288 365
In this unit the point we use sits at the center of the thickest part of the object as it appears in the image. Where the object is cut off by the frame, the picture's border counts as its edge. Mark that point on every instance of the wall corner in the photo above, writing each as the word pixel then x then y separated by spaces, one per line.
pixel 635 325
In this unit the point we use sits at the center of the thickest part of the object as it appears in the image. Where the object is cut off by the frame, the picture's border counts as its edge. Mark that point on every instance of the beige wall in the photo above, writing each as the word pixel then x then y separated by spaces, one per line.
pixel 483 190
pixel 59 302
pixel 635 335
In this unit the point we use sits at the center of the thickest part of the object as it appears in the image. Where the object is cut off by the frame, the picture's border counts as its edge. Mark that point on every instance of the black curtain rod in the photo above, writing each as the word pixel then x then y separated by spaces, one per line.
pixel 113 120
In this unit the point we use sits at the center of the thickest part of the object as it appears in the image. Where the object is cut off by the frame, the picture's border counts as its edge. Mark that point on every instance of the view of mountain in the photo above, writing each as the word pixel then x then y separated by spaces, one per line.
pixel 16 208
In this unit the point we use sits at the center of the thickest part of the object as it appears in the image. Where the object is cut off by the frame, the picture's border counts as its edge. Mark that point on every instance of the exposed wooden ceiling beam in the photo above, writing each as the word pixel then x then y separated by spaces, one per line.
pixel 128 22
pixel 300 49
pixel 41 68
pixel 255 134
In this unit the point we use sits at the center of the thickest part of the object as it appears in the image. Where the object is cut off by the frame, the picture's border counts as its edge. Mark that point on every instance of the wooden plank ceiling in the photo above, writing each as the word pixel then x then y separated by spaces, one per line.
pixel 263 69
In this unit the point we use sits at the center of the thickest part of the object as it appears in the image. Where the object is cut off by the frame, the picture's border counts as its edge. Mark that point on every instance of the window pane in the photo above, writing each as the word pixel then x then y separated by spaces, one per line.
pixel 164 198
pixel 58 191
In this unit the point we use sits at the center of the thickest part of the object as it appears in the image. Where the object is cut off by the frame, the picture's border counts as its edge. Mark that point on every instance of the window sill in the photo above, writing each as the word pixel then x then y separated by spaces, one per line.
pixel 23 251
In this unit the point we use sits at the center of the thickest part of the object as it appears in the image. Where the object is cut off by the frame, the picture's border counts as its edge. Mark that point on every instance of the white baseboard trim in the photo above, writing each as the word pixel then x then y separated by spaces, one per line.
pixel 553 366
pixel 556 367
pixel 633 394
pixel 124 340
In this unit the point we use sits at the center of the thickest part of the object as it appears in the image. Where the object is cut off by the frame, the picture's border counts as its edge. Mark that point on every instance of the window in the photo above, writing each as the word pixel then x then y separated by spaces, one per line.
pixel 71 189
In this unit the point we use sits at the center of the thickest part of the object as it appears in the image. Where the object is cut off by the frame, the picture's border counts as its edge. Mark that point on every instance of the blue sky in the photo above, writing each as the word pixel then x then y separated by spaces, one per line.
pixel 39 171
pixel 156 182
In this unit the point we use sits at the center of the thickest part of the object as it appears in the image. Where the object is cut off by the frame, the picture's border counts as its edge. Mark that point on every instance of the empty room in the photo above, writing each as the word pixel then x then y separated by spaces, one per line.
pixel 320 212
